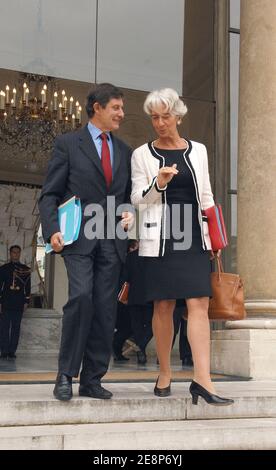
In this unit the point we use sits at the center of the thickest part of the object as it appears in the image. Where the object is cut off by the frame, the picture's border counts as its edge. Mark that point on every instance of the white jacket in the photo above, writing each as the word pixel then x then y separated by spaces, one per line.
pixel 150 200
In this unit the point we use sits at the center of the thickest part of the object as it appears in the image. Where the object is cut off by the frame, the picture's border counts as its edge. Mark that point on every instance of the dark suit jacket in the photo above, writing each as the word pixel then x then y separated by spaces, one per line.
pixel 75 170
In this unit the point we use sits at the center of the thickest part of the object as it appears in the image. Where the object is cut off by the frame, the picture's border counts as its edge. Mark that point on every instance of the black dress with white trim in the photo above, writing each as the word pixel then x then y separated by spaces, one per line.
pixel 184 271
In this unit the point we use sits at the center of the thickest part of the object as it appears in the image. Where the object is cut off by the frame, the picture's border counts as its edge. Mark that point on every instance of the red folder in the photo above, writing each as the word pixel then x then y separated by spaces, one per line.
pixel 216 225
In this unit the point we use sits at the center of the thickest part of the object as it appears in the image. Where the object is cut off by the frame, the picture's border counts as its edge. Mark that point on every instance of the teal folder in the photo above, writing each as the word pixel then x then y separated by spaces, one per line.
pixel 69 217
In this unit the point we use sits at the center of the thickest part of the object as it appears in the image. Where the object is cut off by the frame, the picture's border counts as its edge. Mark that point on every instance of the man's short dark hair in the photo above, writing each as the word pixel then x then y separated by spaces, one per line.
pixel 15 246
pixel 102 94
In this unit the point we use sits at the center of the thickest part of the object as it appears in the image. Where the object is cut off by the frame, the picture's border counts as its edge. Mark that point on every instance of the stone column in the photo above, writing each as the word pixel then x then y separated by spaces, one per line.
pixel 248 348
pixel 256 242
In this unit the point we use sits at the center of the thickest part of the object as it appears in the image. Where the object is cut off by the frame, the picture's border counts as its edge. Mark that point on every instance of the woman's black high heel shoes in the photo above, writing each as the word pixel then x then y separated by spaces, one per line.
pixel 197 390
pixel 162 392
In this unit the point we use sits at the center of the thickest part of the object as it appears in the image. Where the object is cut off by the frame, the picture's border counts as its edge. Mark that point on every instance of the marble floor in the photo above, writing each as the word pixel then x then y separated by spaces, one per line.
pixel 47 363
pixel 42 369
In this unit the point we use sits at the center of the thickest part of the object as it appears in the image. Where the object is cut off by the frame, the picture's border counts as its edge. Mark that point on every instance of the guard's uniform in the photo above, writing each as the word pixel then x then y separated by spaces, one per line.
pixel 15 288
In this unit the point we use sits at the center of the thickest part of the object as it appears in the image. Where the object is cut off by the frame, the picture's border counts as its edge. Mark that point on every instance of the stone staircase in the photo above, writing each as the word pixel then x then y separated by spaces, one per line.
pixel 30 418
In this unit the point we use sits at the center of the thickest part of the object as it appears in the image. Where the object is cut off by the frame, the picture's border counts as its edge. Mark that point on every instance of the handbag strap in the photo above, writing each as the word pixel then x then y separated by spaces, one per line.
pixel 220 270
pixel 219 265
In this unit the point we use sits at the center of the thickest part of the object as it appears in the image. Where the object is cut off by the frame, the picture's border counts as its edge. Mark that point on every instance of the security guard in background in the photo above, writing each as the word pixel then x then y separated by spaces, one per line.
pixel 15 287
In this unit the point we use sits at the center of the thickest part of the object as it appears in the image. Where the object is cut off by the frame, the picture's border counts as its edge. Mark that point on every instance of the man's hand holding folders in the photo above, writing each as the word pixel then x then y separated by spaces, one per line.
pixel 69 218
pixel 57 242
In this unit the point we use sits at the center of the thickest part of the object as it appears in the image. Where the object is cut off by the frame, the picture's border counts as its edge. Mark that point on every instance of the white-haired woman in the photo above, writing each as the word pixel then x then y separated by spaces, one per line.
pixel 171 189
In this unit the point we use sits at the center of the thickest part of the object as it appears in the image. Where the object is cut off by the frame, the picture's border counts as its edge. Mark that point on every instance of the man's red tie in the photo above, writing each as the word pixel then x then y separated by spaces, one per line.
pixel 106 161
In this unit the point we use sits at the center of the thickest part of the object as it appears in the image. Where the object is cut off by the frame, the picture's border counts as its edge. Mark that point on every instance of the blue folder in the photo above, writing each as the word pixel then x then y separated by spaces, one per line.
pixel 69 217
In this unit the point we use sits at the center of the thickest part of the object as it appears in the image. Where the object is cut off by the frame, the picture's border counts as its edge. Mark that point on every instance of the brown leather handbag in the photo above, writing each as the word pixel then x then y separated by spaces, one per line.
pixel 227 302
pixel 123 294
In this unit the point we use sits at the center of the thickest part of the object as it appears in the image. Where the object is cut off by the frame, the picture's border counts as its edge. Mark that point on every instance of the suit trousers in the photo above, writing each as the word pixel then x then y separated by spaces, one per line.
pixel 10 330
pixel 90 313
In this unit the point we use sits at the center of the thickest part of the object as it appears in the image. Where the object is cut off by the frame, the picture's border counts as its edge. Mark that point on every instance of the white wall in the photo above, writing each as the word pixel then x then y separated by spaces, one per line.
pixel 139 44
pixel 234 103
pixel 49 37
pixel 235 6
pixel 234 39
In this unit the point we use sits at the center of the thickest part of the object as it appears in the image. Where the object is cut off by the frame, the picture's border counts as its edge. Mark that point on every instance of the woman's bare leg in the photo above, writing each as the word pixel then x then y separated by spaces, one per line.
pixel 198 331
pixel 162 326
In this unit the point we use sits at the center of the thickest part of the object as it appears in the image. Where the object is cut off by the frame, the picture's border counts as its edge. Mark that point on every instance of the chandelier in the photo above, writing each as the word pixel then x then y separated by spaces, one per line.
pixel 32 114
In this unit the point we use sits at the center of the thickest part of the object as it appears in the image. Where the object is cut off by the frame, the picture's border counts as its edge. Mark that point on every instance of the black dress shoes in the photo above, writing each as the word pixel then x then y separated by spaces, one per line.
pixel 63 388
pixel 197 390
pixel 162 392
pixel 95 391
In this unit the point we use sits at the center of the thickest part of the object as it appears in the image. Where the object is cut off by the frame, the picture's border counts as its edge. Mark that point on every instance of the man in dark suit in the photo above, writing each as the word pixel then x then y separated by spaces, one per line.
pixel 15 288
pixel 95 166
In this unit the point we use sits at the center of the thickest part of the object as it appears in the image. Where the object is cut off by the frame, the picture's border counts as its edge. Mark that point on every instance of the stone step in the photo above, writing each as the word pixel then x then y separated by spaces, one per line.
pixel 34 404
pixel 221 434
